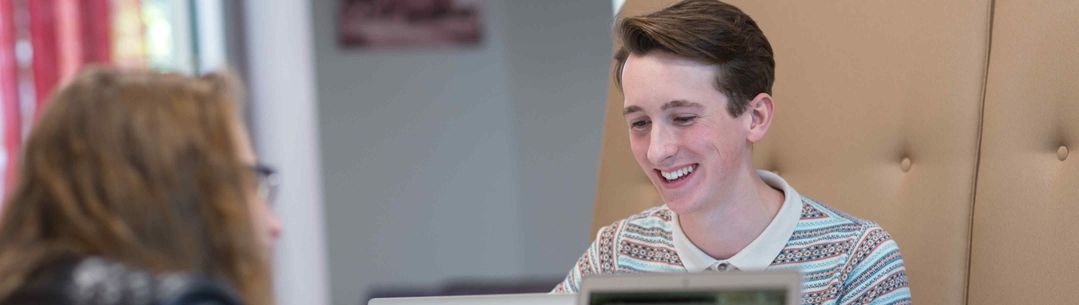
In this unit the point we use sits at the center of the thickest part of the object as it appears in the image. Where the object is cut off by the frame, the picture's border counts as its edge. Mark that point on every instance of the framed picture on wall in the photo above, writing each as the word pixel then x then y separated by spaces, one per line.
pixel 409 23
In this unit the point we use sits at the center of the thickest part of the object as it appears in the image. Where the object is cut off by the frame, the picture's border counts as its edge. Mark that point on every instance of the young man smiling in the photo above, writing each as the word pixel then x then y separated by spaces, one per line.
pixel 697 79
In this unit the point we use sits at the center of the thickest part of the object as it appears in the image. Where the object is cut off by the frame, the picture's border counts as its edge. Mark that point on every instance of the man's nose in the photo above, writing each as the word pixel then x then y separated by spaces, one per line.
pixel 662 146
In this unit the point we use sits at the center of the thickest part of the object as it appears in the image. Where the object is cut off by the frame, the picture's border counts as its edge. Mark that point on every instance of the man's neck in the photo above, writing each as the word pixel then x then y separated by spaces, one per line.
pixel 727 226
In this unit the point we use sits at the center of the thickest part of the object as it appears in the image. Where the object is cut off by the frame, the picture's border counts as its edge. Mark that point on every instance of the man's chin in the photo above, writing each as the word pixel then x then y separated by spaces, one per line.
pixel 679 205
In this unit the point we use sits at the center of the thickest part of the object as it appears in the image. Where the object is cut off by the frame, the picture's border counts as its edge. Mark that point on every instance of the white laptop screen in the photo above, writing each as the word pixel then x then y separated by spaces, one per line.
pixel 730 297
pixel 714 288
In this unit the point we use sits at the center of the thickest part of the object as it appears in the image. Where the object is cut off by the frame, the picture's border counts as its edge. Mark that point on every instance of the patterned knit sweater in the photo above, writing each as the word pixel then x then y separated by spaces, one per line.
pixel 842 259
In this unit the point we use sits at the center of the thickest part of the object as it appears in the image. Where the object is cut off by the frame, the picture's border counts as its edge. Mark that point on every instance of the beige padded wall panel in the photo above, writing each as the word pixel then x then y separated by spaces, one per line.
pixel 1027 205
pixel 860 87
pixel 865 88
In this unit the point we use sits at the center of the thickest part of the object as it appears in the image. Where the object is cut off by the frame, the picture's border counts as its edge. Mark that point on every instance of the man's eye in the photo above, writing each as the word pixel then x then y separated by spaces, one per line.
pixel 684 120
pixel 638 125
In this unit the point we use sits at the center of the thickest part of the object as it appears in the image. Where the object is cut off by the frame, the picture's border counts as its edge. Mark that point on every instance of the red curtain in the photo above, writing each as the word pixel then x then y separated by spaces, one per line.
pixel 9 92
pixel 64 36
pixel 43 38
pixel 96 22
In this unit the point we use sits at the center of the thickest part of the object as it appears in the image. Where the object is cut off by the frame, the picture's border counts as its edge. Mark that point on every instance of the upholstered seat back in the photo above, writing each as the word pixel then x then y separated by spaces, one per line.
pixel 1027 204
pixel 935 119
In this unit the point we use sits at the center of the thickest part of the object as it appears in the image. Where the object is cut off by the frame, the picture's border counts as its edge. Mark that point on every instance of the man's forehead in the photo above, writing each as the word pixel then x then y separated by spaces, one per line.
pixel 656 71
pixel 660 80
pixel 666 58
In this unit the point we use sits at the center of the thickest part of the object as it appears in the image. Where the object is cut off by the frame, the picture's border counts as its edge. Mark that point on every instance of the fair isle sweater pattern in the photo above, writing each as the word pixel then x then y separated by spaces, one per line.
pixel 843 259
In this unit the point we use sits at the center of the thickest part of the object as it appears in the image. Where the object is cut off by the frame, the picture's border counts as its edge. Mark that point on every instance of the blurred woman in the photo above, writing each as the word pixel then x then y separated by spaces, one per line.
pixel 132 184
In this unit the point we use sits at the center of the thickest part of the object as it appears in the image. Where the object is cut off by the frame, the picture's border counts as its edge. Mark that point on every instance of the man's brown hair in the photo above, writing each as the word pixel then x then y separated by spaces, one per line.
pixel 708 31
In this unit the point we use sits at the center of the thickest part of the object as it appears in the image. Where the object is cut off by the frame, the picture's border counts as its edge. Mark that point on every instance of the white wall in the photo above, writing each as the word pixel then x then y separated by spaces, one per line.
pixel 559 55
pixel 462 163
pixel 283 111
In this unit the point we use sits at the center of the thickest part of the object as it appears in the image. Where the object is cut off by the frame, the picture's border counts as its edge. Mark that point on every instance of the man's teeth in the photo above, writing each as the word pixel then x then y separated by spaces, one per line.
pixel 678 173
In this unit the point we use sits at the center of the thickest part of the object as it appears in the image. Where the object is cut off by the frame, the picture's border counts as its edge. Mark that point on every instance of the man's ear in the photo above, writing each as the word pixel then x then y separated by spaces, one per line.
pixel 760 111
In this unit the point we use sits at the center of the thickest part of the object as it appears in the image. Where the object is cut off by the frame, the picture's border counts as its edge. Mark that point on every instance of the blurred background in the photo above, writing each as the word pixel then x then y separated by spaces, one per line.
pixel 460 160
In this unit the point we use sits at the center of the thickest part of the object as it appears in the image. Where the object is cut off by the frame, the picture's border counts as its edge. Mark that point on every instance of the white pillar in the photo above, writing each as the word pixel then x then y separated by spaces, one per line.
pixel 282 94
pixel 210 26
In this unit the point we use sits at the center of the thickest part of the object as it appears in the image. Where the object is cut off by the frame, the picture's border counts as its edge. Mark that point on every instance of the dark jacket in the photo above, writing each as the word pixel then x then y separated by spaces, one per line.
pixel 96 281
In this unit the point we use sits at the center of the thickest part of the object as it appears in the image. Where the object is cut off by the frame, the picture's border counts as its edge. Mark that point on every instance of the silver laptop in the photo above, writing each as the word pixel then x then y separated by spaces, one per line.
pixel 497 299
pixel 711 288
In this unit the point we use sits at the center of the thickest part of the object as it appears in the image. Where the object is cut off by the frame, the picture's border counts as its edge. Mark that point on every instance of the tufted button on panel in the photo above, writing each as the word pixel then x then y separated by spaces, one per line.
pixel 905 164
pixel 1062 153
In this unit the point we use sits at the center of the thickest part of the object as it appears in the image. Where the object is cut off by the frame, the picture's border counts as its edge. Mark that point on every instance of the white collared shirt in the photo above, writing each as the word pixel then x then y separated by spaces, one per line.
pixel 805 235
pixel 760 253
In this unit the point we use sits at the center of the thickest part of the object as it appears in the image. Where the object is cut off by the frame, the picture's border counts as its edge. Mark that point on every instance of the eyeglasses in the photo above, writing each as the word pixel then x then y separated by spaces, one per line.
pixel 266 177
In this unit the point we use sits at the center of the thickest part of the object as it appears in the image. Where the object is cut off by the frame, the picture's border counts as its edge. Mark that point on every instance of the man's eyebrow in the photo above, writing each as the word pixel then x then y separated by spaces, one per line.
pixel 668 105
pixel 680 103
